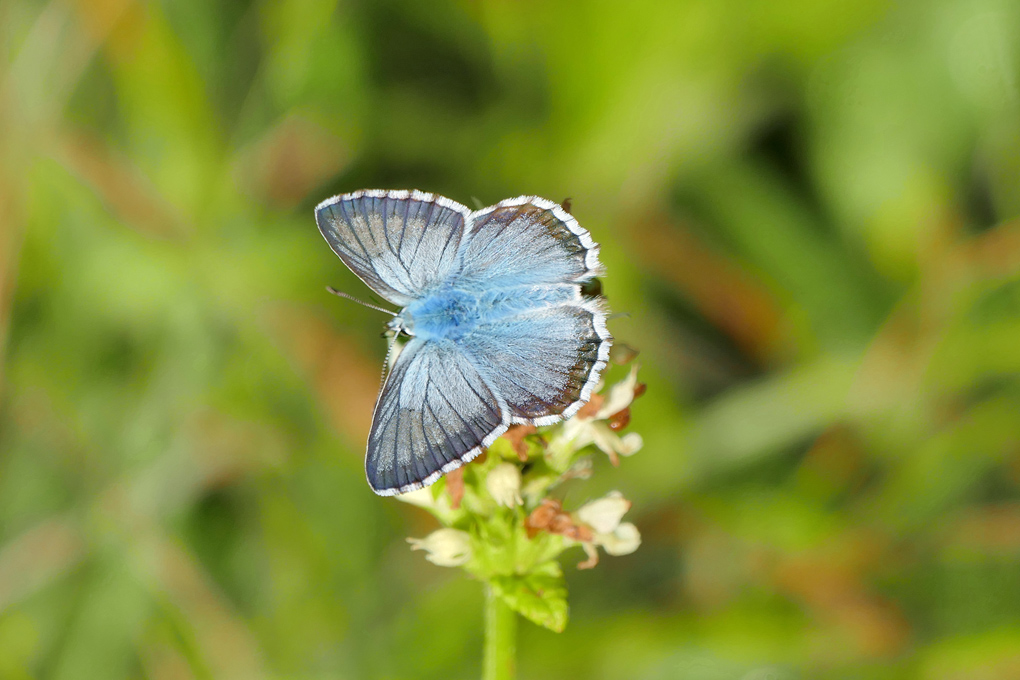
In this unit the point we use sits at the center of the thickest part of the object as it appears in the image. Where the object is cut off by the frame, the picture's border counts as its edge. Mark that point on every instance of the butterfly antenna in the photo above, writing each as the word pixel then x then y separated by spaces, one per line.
pixel 342 294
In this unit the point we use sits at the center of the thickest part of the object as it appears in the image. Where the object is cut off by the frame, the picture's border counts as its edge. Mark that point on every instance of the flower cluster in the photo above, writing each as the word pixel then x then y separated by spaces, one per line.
pixel 502 522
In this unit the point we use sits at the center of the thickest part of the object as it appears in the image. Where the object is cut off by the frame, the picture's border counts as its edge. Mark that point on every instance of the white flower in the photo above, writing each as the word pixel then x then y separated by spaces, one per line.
pixel 615 537
pixel 504 485
pixel 611 443
pixel 581 430
pixel 604 515
pixel 445 547
pixel 578 432
pixel 623 540
pixel 620 395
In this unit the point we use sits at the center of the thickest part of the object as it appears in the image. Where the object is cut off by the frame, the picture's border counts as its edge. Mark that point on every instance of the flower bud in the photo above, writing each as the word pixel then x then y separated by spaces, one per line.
pixel 504 485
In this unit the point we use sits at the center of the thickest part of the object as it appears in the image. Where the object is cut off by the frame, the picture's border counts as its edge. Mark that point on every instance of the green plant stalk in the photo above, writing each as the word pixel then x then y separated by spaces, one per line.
pixel 500 658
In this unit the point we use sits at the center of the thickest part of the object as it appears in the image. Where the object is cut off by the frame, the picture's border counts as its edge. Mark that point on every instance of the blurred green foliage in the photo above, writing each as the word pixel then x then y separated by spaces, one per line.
pixel 808 212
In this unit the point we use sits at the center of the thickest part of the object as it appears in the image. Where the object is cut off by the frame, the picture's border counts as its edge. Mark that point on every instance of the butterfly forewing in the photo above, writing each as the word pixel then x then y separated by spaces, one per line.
pixel 435 413
pixel 400 243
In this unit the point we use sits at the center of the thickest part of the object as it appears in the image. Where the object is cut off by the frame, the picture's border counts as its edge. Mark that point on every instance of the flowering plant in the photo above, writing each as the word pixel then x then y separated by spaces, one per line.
pixel 502 523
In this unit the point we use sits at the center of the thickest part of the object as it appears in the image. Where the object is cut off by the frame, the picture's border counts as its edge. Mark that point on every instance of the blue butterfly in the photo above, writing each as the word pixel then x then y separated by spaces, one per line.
pixel 500 332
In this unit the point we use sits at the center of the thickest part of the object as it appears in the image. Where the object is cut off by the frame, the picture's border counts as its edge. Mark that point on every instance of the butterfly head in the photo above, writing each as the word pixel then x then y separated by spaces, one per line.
pixel 399 325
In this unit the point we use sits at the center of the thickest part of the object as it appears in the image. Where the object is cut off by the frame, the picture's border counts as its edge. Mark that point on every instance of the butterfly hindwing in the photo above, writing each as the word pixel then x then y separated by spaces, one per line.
pixel 400 243
pixel 434 414
pixel 545 362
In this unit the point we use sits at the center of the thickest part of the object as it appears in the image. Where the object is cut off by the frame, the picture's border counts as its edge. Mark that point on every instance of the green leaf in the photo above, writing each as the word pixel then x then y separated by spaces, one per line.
pixel 540 596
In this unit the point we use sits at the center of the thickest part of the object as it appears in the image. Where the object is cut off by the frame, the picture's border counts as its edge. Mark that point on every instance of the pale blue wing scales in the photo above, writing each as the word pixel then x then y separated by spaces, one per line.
pixel 525 241
pixel 434 414
pixel 400 243
pixel 543 363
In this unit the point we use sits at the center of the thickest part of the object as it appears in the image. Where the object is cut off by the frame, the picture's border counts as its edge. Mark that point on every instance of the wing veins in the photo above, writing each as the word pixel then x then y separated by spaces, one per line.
pixel 524 389
pixel 386 236
pixel 449 238
pixel 467 425
pixel 472 387
pixel 425 224
pixel 446 435
pixel 368 223
pixel 424 436
pixel 403 226
pixel 340 218
pixel 354 232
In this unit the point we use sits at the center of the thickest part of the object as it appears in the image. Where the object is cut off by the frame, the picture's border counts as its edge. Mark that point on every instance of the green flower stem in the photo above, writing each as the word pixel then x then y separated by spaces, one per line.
pixel 500 660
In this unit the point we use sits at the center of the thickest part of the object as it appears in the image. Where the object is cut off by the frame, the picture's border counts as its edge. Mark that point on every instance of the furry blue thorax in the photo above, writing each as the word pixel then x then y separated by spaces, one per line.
pixel 451 313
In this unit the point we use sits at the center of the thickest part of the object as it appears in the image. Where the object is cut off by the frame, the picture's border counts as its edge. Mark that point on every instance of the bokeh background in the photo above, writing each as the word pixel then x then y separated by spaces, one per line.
pixel 808 212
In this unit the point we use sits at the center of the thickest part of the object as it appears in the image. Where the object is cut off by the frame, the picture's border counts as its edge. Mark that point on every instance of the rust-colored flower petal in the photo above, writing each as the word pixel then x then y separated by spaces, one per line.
pixel 542 516
pixel 455 487
pixel 560 524
pixel 619 420
pixel 591 408
pixel 515 435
